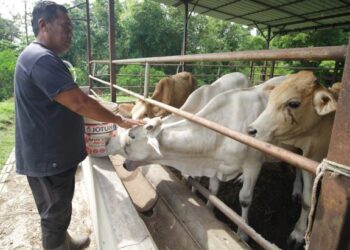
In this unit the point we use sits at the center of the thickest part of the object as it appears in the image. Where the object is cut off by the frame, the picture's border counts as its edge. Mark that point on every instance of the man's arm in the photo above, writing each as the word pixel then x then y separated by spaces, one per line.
pixel 75 100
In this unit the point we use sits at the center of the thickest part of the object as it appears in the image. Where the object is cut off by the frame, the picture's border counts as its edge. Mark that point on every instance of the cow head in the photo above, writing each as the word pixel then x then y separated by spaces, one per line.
pixel 114 145
pixel 140 142
pixel 294 107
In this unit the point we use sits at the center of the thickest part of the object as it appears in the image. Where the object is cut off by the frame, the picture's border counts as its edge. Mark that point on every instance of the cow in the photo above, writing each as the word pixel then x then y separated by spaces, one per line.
pixel 198 151
pixel 196 101
pixel 201 96
pixel 172 90
pixel 299 113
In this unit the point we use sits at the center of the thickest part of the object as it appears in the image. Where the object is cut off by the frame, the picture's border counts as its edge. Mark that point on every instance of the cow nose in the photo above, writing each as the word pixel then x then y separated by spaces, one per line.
pixel 252 131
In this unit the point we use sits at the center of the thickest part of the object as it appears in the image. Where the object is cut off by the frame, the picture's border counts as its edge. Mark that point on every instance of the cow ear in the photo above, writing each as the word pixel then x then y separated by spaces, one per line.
pixel 153 142
pixel 268 88
pixel 324 102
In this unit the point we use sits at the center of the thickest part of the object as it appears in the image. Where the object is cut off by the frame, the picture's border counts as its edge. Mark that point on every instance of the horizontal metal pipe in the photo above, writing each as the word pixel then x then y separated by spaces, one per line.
pixel 316 53
pixel 280 153
pixel 233 216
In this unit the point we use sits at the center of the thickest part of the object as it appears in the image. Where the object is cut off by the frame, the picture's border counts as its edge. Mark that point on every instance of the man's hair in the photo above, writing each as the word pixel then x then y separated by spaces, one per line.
pixel 47 10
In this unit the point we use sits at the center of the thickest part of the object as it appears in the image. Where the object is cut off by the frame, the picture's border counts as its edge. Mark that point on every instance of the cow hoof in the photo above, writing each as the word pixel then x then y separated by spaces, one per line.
pixel 294 244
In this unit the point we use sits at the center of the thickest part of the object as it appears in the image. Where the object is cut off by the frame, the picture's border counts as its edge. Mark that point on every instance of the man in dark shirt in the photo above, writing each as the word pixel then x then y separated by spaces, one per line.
pixel 49 125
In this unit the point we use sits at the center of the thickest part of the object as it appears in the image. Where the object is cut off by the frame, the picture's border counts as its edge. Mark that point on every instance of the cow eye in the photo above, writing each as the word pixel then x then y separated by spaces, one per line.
pixel 293 104
pixel 131 135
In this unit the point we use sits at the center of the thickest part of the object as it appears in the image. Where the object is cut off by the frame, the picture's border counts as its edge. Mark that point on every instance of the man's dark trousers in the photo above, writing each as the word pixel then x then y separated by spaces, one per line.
pixel 53 197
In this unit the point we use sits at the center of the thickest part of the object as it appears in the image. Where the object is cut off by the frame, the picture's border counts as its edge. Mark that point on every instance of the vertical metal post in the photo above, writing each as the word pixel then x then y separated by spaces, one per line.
pixel 147 77
pixel 88 43
pixel 332 219
pixel 272 71
pixel 267 46
pixel 184 39
pixel 335 71
pixel 111 40
pixel 251 74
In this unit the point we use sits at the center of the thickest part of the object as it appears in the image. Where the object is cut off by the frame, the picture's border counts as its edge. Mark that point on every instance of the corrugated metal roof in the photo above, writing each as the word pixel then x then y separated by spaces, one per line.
pixel 282 16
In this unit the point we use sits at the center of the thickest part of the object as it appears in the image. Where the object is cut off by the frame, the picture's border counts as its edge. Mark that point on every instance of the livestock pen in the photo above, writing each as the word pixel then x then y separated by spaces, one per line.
pixel 329 225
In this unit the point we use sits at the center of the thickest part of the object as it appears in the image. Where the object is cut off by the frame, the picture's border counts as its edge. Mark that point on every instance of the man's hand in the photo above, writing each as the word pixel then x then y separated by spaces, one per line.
pixel 129 123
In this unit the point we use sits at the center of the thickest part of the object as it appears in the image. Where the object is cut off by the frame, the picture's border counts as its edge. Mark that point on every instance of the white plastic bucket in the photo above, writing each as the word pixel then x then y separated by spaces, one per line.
pixel 97 133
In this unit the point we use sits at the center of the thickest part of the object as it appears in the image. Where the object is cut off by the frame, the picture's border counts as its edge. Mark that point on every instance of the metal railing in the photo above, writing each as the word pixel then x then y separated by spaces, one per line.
pixel 319 53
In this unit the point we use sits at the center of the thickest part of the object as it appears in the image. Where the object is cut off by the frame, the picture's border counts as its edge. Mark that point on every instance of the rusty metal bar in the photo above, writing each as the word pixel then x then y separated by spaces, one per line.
pixel 339 146
pixel 111 42
pixel 331 229
pixel 332 216
pixel 88 43
pixel 316 53
pixel 285 155
pixel 233 216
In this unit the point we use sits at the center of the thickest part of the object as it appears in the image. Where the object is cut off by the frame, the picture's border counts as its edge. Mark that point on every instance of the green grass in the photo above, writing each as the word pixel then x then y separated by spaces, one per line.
pixel 119 98
pixel 7 130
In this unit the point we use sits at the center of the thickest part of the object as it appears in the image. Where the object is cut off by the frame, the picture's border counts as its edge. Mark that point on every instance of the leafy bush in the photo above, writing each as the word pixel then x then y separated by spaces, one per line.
pixel 8 59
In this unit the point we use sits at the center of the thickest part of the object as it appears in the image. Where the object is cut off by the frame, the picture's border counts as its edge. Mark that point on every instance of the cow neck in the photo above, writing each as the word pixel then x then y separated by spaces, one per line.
pixel 314 143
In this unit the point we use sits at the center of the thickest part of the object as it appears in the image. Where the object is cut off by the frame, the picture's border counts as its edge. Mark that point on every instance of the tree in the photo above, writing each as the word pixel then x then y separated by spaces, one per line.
pixel 329 37
pixel 8 30
pixel 149 31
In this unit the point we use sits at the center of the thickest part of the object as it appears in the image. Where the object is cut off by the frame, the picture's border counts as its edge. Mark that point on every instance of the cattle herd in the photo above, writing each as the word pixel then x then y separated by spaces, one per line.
pixel 291 111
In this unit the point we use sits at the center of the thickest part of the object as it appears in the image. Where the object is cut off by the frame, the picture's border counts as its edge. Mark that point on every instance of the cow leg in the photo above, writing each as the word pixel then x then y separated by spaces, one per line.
pixel 297 186
pixel 296 239
pixel 214 185
pixel 250 176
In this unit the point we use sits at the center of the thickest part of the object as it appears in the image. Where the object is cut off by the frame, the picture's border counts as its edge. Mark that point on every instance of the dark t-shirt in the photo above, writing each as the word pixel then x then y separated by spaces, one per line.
pixel 49 137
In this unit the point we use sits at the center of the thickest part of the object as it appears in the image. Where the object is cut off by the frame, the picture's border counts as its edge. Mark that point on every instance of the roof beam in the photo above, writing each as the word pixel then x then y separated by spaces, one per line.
pixel 282 10
pixel 325 26
pixel 309 13
pixel 317 18
pixel 220 6
pixel 229 14
pixel 266 9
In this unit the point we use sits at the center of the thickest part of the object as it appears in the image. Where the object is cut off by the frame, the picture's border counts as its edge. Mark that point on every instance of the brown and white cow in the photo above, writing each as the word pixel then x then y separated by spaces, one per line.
pixel 172 90
pixel 299 113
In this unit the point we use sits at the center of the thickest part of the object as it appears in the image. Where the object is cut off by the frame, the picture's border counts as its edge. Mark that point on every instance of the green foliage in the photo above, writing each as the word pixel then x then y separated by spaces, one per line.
pixel 6 130
pixel 8 59
pixel 148 31
pixel 329 37
pixel 82 79
pixel 133 77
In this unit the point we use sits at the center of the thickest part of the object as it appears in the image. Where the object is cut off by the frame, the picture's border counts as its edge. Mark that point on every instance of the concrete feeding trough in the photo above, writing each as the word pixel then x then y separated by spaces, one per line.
pixel 170 216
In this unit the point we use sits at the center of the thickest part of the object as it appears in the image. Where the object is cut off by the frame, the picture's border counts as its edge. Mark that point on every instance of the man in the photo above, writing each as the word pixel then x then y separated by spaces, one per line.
pixel 49 124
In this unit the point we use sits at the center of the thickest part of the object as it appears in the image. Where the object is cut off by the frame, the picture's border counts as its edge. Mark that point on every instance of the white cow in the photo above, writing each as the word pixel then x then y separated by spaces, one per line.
pixel 195 102
pixel 299 113
pixel 198 151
